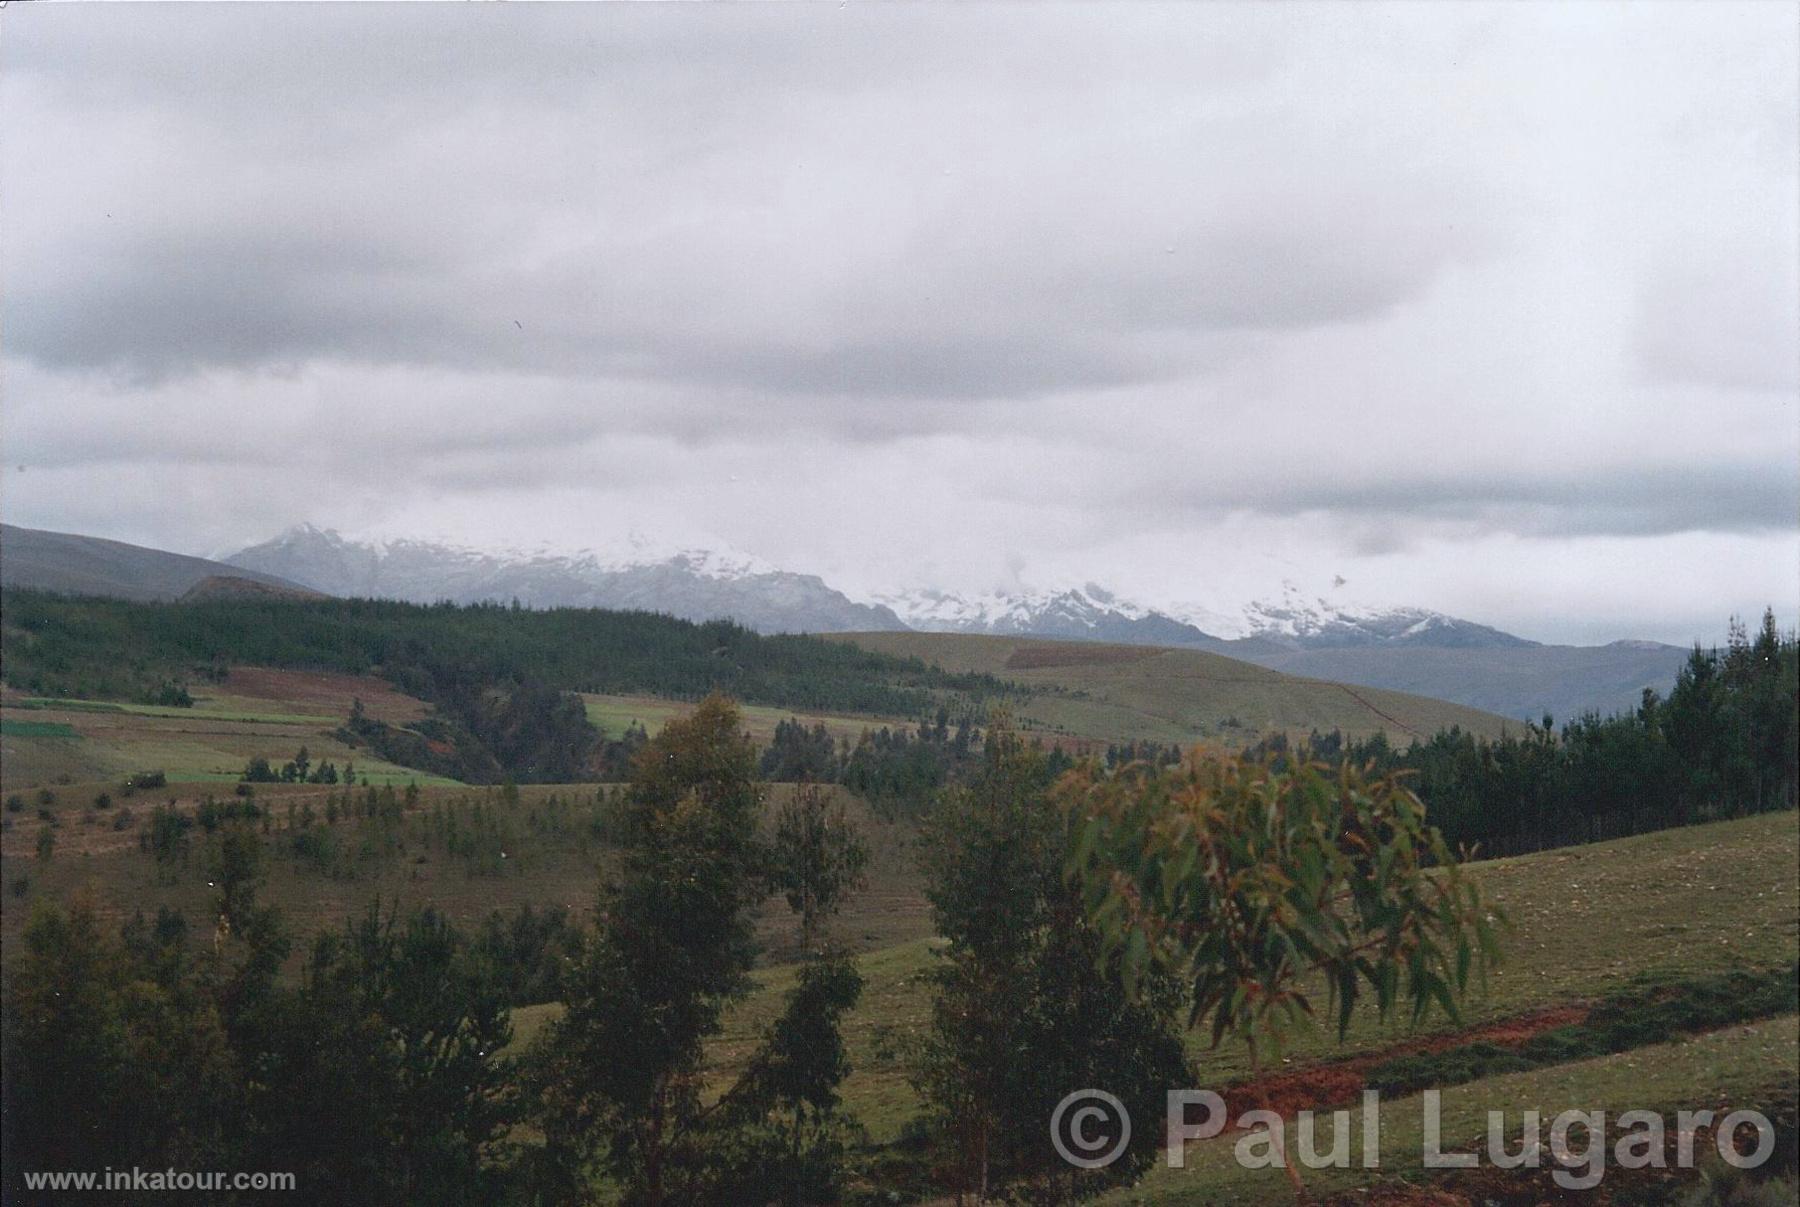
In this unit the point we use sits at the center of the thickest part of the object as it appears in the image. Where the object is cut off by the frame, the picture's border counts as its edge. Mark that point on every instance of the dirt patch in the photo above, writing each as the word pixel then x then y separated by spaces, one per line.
pixel 1038 656
pixel 1338 1082
pixel 322 691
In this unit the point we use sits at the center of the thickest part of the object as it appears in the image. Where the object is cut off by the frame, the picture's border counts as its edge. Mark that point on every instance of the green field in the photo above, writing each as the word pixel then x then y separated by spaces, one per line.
pixel 36 729
pixel 1079 694
pixel 612 715
pixel 211 707
pixel 255 713
pixel 187 752
pixel 1705 899
pixel 1112 693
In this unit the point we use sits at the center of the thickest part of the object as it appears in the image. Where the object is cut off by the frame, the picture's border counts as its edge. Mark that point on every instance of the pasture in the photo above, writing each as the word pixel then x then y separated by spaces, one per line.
pixel 89 744
pixel 1703 899
pixel 1082 691
pixel 613 715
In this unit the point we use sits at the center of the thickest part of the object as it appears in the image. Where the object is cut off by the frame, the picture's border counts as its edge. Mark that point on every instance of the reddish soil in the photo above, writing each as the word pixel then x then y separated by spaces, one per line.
pixel 323 691
pixel 1338 1082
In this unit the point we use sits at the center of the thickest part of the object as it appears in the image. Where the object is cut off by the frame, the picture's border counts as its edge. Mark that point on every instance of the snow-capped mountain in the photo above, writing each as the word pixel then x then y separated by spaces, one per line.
pixel 692 584
pixel 703 584
pixel 1300 619
pixel 1320 630
pixel 1086 613
pixel 1292 619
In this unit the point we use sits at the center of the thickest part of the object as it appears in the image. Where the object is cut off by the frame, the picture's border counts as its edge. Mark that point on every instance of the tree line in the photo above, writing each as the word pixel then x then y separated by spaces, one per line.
pixel 502 680
pixel 117 649
pixel 1724 742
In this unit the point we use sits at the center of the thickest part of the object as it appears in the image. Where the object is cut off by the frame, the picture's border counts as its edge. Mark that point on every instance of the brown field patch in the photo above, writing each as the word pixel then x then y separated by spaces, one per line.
pixel 322 691
pixel 1039 655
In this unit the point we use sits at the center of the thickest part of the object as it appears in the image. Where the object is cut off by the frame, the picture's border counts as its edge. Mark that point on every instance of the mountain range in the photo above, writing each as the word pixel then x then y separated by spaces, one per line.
pixel 1292 629
pixel 690 584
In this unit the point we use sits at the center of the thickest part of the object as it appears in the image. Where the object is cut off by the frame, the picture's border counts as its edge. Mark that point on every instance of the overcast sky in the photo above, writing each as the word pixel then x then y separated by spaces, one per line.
pixel 1489 309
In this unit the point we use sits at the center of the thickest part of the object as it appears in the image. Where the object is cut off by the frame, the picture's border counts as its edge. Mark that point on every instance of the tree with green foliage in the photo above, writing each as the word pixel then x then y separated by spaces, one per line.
pixel 620 1085
pixel 237 870
pixel 1028 1008
pixel 1245 881
pixel 779 1135
pixel 1724 742
pixel 797 753
pixel 818 857
pixel 393 1091
pixel 376 1079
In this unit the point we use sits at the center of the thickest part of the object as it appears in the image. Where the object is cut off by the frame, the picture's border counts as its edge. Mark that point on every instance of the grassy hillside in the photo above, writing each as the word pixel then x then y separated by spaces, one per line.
pixel 1114 693
pixel 116 649
pixel 47 741
pixel 1748 1066
pixel 33 559
pixel 612 715
pixel 1706 899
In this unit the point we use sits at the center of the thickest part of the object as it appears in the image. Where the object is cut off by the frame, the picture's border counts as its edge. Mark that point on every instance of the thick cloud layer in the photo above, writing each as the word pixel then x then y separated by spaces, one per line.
pixel 1180 298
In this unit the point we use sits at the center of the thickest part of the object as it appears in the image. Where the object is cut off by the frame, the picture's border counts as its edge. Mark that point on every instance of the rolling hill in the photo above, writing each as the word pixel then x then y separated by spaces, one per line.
pixel 85 565
pixel 1114 693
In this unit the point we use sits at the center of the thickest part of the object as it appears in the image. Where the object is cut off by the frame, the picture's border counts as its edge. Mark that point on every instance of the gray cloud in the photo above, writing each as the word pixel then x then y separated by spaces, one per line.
pixel 1625 501
pixel 817 234
pixel 973 294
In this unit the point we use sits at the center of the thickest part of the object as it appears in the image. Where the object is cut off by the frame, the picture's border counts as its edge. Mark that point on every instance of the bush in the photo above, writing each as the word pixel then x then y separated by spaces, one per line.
pixel 103 801
pixel 147 780
pixel 15 803
pixel 172 695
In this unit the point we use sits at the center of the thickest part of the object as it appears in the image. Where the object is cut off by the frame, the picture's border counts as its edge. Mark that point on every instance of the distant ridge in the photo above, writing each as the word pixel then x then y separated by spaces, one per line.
pixel 237 586
pixel 1316 630
pixel 1312 633
pixel 68 564
pixel 691 584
